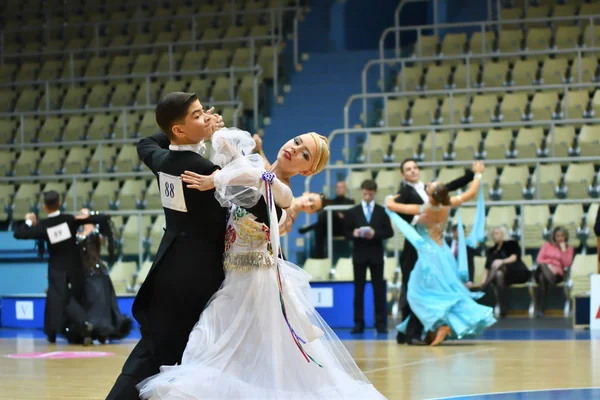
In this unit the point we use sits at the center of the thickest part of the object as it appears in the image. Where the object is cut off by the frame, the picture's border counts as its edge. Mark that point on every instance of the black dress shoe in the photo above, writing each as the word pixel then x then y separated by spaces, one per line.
pixel 51 338
pixel 400 338
pixel 358 329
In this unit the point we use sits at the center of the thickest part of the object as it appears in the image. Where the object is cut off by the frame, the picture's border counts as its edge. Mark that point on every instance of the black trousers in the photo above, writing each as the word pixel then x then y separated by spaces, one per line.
pixel 360 279
pixel 140 364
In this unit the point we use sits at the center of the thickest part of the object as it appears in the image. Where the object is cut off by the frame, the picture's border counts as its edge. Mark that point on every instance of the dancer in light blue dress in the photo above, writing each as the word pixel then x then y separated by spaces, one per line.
pixel 436 290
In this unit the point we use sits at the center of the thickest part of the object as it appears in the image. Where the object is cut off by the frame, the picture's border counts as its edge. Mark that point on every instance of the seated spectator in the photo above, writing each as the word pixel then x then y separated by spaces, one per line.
pixel 503 266
pixel 552 260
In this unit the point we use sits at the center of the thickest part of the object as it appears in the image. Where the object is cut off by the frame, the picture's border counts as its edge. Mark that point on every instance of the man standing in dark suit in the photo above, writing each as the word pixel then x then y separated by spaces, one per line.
pixel 367 225
pixel 412 191
pixel 188 267
pixel 65 275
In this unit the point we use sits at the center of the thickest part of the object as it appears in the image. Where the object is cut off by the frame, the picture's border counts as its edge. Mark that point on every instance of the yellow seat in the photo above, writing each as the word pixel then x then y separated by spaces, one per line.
pixel 437 77
pixel 387 184
pixel 396 111
pixel 524 73
pixel 460 76
pixel 529 142
pixel 344 270
pixel 426 46
pixel 584 266
pixel 513 181
pixel 405 145
pixel 453 45
pixel 513 107
pixel 554 71
pixel 408 79
pixel 481 44
pixel 549 179
pixel 536 219
pixel 423 111
pixel 498 143
pixel 578 178
pixel 442 142
pixel 458 104
pixel 588 141
pixel 483 108
pixel 590 220
pixel 494 74
pixel 466 144
pixel 563 141
pixel 576 104
pixel 318 269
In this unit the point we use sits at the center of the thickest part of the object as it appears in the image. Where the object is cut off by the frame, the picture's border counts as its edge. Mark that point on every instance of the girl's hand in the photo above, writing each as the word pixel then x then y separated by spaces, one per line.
pixel 200 182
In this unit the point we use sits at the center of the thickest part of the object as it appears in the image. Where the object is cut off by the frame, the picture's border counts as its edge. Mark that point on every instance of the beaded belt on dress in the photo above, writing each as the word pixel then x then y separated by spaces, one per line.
pixel 246 261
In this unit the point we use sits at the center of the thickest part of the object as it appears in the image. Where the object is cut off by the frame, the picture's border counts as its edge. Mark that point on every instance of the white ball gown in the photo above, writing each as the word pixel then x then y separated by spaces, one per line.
pixel 259 337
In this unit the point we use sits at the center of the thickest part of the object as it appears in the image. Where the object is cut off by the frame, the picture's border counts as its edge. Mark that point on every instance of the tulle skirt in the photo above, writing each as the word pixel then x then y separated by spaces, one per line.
pixel 438 297
pixel 242 347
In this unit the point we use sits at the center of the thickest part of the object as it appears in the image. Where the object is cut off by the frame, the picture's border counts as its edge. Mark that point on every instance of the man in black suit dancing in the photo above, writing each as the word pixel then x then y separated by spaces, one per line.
pixel 65 275
pixel 367 225
pixel 412 191
pixel 188 267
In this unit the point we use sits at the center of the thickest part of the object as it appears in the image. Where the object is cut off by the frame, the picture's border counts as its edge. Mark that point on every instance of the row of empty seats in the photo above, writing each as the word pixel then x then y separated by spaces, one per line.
pixel 95 94
pixel 117 63
pixel 547 182
pixel 492 108
pixel 103 195
pixel 156 19
pixel 87 126
pixel 139 43
pixel 498 74
pixel 506 41
pixel 549 8
pixel 495 144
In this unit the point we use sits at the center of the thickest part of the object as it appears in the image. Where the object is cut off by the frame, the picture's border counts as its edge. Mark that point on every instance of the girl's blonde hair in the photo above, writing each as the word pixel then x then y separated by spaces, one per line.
pixel 322 155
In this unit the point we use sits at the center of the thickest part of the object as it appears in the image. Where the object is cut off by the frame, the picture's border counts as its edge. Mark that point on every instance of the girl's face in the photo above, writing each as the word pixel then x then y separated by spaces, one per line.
pixel 309 202
pixel 297 156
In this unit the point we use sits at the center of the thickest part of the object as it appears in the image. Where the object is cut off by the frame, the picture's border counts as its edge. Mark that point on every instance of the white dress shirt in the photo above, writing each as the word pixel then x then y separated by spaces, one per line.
pixel 365 210
pixel 196 148
pixel 420 189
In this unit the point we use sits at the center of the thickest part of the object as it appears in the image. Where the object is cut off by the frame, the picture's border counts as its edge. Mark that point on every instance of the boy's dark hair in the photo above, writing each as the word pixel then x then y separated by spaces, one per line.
pixel 369 184
pixel 171 109
pixel 52 200
pixel 405 161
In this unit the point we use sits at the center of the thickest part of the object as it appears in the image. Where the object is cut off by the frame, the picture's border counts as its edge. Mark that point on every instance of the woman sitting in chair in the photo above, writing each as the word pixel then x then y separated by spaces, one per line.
pixel 503 266
pixel 554 257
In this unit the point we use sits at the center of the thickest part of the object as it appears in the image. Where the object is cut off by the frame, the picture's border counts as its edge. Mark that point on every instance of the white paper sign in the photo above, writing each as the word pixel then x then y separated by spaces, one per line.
pixel 322 297
pixel 24 310
pixel 595 302
pixel 171 192
pixel 59 233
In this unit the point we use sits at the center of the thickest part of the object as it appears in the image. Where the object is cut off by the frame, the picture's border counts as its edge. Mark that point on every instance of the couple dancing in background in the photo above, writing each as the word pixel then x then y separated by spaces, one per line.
pixel 437 300
pixel 222 315
pixel 80 301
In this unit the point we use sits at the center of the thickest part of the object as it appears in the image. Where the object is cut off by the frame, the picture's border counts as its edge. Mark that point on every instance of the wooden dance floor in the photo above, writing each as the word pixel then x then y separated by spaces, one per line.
pixel 398 371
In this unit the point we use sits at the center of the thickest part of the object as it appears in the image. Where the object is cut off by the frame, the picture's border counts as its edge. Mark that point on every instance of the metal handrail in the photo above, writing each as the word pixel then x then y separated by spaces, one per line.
pixel 433 128
pixel 48 111
pixel 123 111
pixel 97 49
pixel 483 24
pixel 468 61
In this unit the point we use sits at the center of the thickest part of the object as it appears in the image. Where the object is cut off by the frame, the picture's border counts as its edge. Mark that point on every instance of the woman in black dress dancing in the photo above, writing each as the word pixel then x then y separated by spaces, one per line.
pixel 100 300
